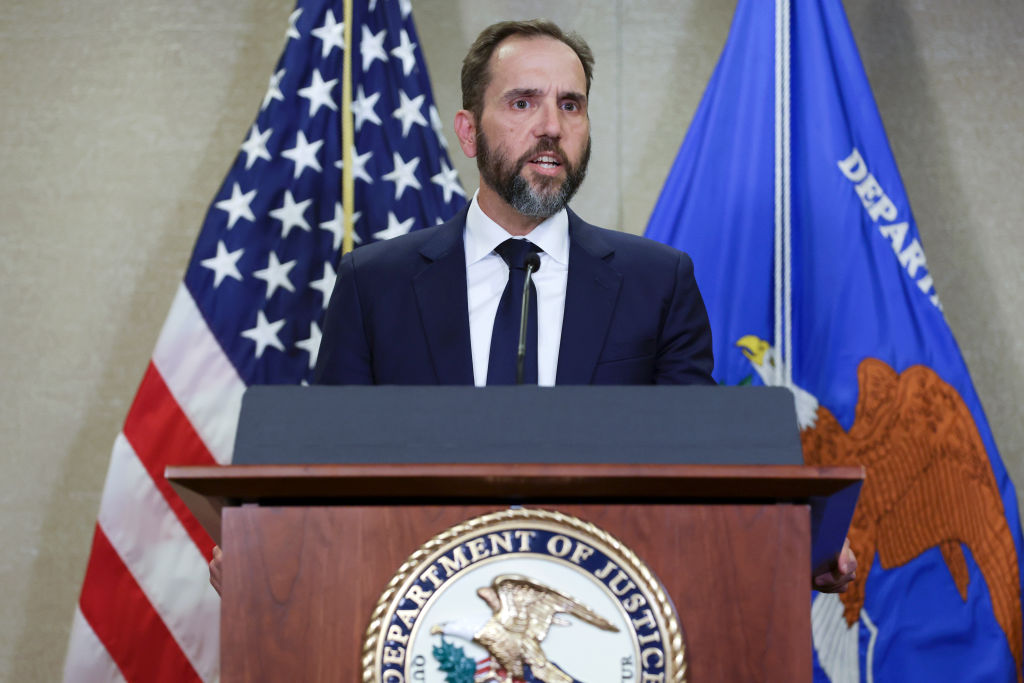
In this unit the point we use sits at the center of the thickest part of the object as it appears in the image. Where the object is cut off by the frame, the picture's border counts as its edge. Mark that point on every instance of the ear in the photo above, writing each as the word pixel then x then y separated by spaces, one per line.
pixel 465 130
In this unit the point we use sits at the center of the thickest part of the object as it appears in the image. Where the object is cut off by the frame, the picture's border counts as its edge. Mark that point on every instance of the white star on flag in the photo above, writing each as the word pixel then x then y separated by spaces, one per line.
pixel 318 92
pixel 237 205
pixel 406 7
pixel 358 166
pixel 406 52
pixel 255 146
pixel 325 285
pixel 291 214
pixel 372 47
pixel 273 89
pixel 404 175
pixel 312 344
pixel 394 229
pixel 448 179
pixel 276 275
pixel 303 154
pixel 409 112
pixel 362 108
pixel 435 123
pixel 264 334
pixel 331 35
pixel 293 32
pixel 224 264
pixel 336 226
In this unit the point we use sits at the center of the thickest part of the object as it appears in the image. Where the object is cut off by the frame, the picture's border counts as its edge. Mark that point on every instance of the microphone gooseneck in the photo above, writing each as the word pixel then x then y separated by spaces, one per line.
pixel 532 265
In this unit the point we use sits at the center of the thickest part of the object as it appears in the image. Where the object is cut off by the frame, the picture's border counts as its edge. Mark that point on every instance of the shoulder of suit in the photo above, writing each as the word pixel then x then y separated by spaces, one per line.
pixel 628 244
pixel 433 242
pixel 395 252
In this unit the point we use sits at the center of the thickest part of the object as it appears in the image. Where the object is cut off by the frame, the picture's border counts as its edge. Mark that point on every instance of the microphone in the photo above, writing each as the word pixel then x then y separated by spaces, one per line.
pixel 532 264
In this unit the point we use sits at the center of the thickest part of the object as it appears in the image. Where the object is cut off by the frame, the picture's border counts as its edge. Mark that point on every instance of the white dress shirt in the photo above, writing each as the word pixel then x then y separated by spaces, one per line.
pixel 487 275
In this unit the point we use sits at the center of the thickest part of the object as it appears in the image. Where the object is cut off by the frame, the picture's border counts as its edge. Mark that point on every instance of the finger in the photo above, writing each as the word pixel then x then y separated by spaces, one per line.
pixel 847 559
pixel 833 582
pixel 215 569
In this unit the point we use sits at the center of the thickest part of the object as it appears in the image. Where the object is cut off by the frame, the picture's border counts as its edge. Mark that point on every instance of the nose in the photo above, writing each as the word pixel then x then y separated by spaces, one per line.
pixel 549 121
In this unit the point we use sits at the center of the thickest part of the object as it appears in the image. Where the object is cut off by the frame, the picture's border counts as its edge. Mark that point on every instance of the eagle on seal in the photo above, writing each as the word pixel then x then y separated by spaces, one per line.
pixel 523 612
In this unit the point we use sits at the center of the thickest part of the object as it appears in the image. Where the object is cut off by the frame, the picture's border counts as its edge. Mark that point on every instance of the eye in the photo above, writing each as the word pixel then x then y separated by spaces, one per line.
pixel 520 104
pixel 570 106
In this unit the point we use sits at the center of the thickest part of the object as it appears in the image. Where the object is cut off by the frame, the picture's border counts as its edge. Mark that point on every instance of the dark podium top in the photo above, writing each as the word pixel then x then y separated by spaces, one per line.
pixel 524 424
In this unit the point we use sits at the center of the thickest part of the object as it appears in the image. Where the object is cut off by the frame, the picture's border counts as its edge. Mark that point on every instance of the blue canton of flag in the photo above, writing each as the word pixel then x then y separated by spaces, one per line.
pixel 264 264
pixel 876 373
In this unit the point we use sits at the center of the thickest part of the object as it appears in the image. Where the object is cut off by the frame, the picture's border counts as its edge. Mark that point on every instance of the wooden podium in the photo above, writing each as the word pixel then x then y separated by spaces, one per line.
pixel 308 550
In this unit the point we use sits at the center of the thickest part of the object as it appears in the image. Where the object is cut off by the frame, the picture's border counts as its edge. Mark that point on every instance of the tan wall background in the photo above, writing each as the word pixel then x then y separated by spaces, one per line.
pixel 118 121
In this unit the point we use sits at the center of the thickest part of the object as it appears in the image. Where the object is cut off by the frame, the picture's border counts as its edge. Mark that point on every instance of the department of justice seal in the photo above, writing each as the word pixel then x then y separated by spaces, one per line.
pixel 519 596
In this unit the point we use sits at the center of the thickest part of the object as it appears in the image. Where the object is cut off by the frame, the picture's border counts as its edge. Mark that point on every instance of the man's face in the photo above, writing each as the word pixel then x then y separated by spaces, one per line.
pixel 533 135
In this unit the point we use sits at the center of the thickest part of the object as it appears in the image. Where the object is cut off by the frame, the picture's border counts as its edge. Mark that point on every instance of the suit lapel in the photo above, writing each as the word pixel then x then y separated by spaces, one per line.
pixel 444 309
pixel 590 295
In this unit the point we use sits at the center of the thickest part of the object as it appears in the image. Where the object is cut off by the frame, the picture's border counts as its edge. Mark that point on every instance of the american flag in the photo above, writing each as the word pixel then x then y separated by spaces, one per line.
pixel 249 312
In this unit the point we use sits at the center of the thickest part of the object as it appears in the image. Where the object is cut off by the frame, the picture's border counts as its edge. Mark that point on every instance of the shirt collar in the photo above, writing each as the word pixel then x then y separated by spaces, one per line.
pixel 482 234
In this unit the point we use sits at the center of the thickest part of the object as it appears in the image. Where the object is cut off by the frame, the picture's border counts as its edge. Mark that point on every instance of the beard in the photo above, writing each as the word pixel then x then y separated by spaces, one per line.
pixel 549 196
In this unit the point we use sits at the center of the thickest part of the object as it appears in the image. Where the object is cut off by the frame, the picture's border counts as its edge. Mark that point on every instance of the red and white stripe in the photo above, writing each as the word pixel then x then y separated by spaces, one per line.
pixel 483 670
pixel 146 611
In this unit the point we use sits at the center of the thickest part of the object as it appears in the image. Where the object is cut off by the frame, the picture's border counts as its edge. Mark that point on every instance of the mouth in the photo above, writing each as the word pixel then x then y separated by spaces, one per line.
pixel 546 163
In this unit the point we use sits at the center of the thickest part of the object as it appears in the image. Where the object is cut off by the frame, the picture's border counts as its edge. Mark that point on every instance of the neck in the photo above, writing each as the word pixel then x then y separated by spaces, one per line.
pixel 499 211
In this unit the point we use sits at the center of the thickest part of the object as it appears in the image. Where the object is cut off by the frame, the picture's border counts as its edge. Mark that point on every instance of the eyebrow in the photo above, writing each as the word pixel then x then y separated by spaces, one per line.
pixel 519 93
pixel 577 97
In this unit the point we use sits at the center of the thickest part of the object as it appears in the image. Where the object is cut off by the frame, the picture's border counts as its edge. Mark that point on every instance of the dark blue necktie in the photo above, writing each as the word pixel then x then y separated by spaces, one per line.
pixel 501 364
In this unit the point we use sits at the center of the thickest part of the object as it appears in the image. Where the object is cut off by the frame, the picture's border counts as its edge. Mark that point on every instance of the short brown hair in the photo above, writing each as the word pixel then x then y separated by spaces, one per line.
pixel 476 73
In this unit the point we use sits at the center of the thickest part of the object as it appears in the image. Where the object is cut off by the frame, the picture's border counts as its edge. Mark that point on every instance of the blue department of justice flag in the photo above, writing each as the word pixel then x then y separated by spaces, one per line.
pixel 249 312
pixel 878 378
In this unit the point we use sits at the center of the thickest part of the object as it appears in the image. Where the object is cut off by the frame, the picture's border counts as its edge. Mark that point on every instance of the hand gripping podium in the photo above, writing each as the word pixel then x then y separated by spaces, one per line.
pixel 342 484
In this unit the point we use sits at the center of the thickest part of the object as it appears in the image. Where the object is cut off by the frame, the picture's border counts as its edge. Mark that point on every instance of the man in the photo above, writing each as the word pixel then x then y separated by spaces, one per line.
pixel 613 308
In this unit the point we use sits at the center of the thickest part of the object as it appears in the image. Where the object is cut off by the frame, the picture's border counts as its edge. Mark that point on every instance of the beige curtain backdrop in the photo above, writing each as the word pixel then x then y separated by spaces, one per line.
pixel 119 119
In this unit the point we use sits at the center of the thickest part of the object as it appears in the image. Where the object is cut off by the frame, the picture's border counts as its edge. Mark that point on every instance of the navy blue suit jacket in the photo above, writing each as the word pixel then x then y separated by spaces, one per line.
pixel 399 313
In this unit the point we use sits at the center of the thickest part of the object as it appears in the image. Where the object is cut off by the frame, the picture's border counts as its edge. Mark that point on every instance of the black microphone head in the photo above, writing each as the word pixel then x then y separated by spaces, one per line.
pixel 532 261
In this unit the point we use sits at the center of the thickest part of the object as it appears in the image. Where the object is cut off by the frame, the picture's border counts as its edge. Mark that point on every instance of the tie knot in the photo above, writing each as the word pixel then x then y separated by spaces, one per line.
pixel 514 252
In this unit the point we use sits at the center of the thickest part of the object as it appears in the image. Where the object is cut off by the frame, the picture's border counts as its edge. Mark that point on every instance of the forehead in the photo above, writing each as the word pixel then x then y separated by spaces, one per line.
pixel 535 62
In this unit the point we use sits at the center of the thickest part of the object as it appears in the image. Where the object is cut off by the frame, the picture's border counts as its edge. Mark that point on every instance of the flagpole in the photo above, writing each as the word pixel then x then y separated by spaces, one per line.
pixel 787 211
pixel 783 332
pixel 787 215
pixel 347 137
